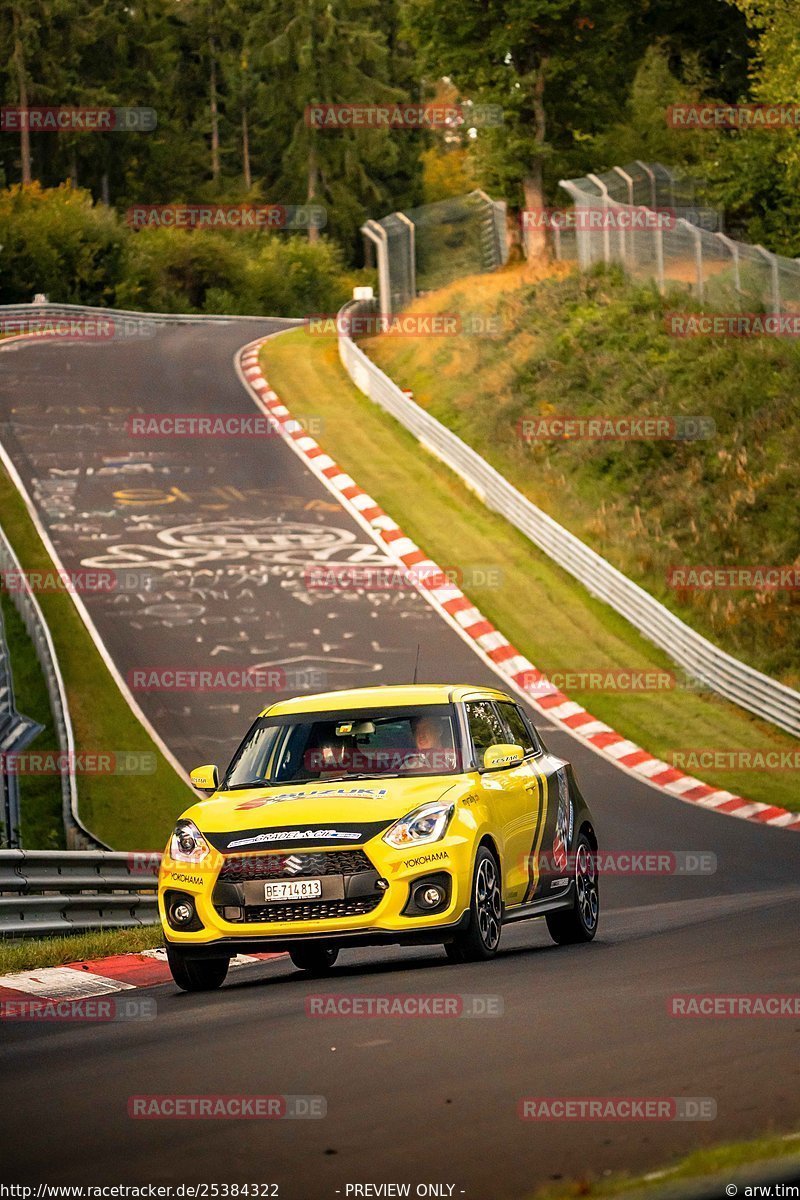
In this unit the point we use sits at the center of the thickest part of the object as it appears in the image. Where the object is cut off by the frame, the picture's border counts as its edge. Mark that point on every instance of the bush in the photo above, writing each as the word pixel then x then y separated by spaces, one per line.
pixel 59 242
pixel 294 278
pixel 177 270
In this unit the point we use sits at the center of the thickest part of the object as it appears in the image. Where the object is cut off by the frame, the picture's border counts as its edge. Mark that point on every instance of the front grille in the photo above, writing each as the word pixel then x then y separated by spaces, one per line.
pixel 240 868
pixel 315 910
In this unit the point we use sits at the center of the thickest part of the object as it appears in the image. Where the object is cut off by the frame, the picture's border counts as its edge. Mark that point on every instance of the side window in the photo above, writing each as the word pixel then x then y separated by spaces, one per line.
pixel 533 732
pixel 485 727
pixel 519 730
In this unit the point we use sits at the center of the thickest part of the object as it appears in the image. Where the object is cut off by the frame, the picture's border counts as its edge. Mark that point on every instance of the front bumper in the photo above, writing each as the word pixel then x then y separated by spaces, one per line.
pixel 435 935
pixel 364 901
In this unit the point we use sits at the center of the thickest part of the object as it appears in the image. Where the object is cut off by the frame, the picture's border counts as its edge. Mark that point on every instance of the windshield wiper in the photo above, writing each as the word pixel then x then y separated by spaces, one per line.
pixel 251 783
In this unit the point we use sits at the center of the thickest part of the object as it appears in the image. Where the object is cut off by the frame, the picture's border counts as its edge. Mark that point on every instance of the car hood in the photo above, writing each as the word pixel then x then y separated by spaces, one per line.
pixel 314 813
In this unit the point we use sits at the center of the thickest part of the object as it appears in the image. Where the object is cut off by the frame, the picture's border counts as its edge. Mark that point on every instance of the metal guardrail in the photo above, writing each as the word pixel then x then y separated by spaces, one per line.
pixel 9 784
pixel 28 608
pixel 12 312
pixel 46 892
pixel 701 659
pixel 16 732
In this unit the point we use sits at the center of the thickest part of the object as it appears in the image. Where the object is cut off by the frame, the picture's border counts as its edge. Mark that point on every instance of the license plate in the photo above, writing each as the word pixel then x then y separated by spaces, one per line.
pixel 293 889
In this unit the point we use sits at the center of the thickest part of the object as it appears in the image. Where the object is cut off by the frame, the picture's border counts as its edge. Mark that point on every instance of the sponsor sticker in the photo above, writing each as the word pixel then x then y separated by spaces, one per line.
pixel 316 794
pixel 297 835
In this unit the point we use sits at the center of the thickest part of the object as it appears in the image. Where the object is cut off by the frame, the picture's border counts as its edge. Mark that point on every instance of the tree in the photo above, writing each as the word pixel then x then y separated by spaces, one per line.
pixel 755 173
pixel 313 52
pixel 555 67
pixel 35 70
pixel 644 133
pixel 21 74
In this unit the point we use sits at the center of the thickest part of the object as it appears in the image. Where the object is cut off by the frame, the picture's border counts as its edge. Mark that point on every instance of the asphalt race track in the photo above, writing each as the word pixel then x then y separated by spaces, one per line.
pixel 225 530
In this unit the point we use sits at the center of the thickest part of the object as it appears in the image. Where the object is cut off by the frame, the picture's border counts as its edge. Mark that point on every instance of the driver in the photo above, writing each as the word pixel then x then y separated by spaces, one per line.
pixel 427 733
pixel 431 742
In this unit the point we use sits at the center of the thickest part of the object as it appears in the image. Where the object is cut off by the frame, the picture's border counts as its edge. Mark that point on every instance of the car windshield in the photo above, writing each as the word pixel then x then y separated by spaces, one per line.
pixel 346 745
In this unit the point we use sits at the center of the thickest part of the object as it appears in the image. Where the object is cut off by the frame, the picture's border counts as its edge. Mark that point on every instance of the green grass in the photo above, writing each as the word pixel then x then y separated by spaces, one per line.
pixel 598 346
pixel 40 795
pixel 541 609
pixel 52 952
pixel 718 1163
pixel 132 812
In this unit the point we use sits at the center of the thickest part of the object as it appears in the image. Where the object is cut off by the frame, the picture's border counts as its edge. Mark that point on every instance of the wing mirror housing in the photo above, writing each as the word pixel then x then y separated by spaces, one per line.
pixel 205 779
pixel 501 756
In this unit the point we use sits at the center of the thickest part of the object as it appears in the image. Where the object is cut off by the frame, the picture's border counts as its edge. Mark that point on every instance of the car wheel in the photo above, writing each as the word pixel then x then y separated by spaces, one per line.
pixel 482 936
pixel 316 960
pixel 579 923
pixel 196 974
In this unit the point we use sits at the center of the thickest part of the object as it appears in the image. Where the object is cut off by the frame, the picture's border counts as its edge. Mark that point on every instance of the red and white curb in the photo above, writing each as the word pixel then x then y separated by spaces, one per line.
pixel 481 634
pixel 98 977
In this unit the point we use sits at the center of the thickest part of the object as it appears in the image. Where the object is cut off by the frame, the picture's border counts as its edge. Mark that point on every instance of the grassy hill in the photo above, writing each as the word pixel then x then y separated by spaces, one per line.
pixel 547 614
pixel 598 346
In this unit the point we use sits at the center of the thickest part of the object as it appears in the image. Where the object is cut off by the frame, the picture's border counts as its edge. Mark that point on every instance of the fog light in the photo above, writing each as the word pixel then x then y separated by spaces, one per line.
pixel 182 913
pixel 382 885
pixel 430 896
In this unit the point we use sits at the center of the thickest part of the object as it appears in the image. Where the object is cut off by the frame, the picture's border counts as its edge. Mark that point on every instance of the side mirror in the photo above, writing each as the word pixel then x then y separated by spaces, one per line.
pixel 205 779
pixel 504 754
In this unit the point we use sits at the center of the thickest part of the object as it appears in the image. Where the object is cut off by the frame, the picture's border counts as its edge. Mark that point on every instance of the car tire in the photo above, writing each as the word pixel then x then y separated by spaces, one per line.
pixel 480 940
pixel 315 960
pixel 569 926
pixel 196 974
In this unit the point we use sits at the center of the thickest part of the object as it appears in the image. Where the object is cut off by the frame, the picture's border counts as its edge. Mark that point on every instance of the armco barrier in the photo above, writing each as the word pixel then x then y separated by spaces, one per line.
pixel 16 732
pixel 705 662
pixel 45 892
pixel 14 312
pixel 28 608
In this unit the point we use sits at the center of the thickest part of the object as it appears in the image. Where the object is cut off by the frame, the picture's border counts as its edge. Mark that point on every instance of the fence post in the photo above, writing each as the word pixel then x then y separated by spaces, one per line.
pixel 651 176
pixel 733 247
pixel 624 175
pixel 775 282
pixel 606 237
pixel 412 252
pixel 659 236
pixel 698 257
pixel 377 235
pixel 496 215
pixel 582 243
pixel 623 241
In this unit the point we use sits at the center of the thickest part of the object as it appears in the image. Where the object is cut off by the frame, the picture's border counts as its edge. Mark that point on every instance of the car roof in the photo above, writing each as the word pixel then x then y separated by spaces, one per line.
pixel 388 696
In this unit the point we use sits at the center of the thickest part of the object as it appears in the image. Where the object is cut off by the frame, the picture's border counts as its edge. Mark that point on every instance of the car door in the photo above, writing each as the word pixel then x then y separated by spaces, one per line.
pixel 510 795
pixel 549 857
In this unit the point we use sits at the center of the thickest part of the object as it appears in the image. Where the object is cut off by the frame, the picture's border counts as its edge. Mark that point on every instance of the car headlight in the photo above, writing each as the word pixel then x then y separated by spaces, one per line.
pixel 187 843
pixel 425 824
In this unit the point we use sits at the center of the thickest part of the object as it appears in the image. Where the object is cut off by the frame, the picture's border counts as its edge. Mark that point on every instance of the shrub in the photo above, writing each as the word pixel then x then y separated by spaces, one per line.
pixel 58 241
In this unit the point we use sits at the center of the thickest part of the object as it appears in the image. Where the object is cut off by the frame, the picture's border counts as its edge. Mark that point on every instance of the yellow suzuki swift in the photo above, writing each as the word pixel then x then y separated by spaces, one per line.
pixel 425 814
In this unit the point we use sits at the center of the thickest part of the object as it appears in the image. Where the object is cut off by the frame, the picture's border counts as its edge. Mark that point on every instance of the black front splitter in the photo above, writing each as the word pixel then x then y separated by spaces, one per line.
pixel 226 947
